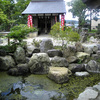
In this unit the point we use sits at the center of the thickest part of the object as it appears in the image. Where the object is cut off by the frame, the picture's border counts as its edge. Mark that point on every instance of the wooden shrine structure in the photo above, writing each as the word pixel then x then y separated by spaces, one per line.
pixel 45 13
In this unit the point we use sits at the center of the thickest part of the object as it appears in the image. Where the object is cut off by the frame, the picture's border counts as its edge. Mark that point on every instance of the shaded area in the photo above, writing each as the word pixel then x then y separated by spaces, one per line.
pixel 40 87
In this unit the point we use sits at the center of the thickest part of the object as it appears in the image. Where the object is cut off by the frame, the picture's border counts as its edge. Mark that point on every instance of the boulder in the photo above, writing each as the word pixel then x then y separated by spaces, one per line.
pixel 31 49
pixel 54 52
pixel 19 55
pixel 88 50
pixel 22 69
pixel 98 46
pixel 82 55
pixel 83 38
pixel 13 72
pixel 72 59
pixel 88 94
pixel 95 49
pixel 92 66
pixel 76 67
pixel 69 51
pixel 39 63
pixel 59 74
pixel 96 57
pixel 79 47
pixel 59 62
pixel 46 45
pixel 98 52
pixel 2 52
pixel 81 74
pixel 6 62
pixel 27 59
pixel 97 87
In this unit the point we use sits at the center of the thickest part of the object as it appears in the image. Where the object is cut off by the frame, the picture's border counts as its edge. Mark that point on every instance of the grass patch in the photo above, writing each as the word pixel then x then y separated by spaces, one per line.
pixel 76 85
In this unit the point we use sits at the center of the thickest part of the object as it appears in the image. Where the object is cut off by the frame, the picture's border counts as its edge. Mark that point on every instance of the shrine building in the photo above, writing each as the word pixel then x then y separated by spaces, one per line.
pixel 45 13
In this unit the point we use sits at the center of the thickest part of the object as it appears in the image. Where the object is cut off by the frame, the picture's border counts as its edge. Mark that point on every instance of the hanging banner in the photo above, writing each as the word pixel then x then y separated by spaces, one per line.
pixel 30 22
pixel 62 20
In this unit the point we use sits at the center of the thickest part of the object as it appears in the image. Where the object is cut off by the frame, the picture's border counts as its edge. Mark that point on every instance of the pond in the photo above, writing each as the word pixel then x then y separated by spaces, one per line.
pixel 40 87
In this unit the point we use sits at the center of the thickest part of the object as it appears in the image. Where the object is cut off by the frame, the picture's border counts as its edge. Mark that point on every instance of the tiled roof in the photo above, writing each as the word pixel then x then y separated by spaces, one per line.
pixel 45 7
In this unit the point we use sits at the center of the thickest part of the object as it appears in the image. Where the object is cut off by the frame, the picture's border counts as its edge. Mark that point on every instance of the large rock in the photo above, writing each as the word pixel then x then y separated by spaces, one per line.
pixel 31 49
pixel 59 62
pixel 82 55
pixel 59 74
pixel 46 45
pixel 98 52
pixel 95 49
pixel 13 72
pixel 69 51
pixel 72 59
pixel 54 52
pixel 96 57
pixel 79 47
pixel 76 67
pixel 22 69
pixel 92 66
pixel 88 50
pixel 39 63
pixel 19 55
pixel 2 52
pixel 6 62
pixel 88 94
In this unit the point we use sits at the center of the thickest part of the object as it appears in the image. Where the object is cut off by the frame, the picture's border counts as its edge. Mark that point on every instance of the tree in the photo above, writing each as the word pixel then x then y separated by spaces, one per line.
pixel 78 9
pixel 3 17
pixel 13 12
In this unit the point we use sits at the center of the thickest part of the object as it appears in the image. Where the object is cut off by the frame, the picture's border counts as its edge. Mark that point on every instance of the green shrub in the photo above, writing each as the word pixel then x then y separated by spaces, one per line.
pixel 18 33
pixel 8 48
pixel 93 31
pixel 66 34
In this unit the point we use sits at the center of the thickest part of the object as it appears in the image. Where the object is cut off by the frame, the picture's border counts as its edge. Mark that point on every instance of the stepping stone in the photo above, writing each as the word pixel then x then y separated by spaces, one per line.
pixel 59 74
pixel 81 73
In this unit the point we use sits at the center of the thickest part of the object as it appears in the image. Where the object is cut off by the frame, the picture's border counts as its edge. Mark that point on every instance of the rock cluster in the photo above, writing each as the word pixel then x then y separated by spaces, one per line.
pixel 78 59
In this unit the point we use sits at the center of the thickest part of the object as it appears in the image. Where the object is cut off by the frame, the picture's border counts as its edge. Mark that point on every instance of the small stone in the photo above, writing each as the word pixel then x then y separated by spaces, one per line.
pixel 54 52
pixel 82 74
pixel 72 59
pixel 88 94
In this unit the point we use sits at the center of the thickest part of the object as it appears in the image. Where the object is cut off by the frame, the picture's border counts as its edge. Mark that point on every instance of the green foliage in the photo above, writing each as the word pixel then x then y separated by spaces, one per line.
pixel 13 11
pixel 36 43
pixel 3 17
pixel 8 48
pixel 66 34
pixel 18 33
pixel 76 85
pixel 78 9
pixel 93 31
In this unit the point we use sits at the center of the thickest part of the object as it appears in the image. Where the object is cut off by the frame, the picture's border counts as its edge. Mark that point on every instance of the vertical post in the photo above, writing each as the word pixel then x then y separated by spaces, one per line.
pixel 45 24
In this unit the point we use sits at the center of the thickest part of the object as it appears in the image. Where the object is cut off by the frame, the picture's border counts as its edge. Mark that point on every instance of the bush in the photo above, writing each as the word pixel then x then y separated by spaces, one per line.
pixel 18 33
pixel 66 34
pixel 93 31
